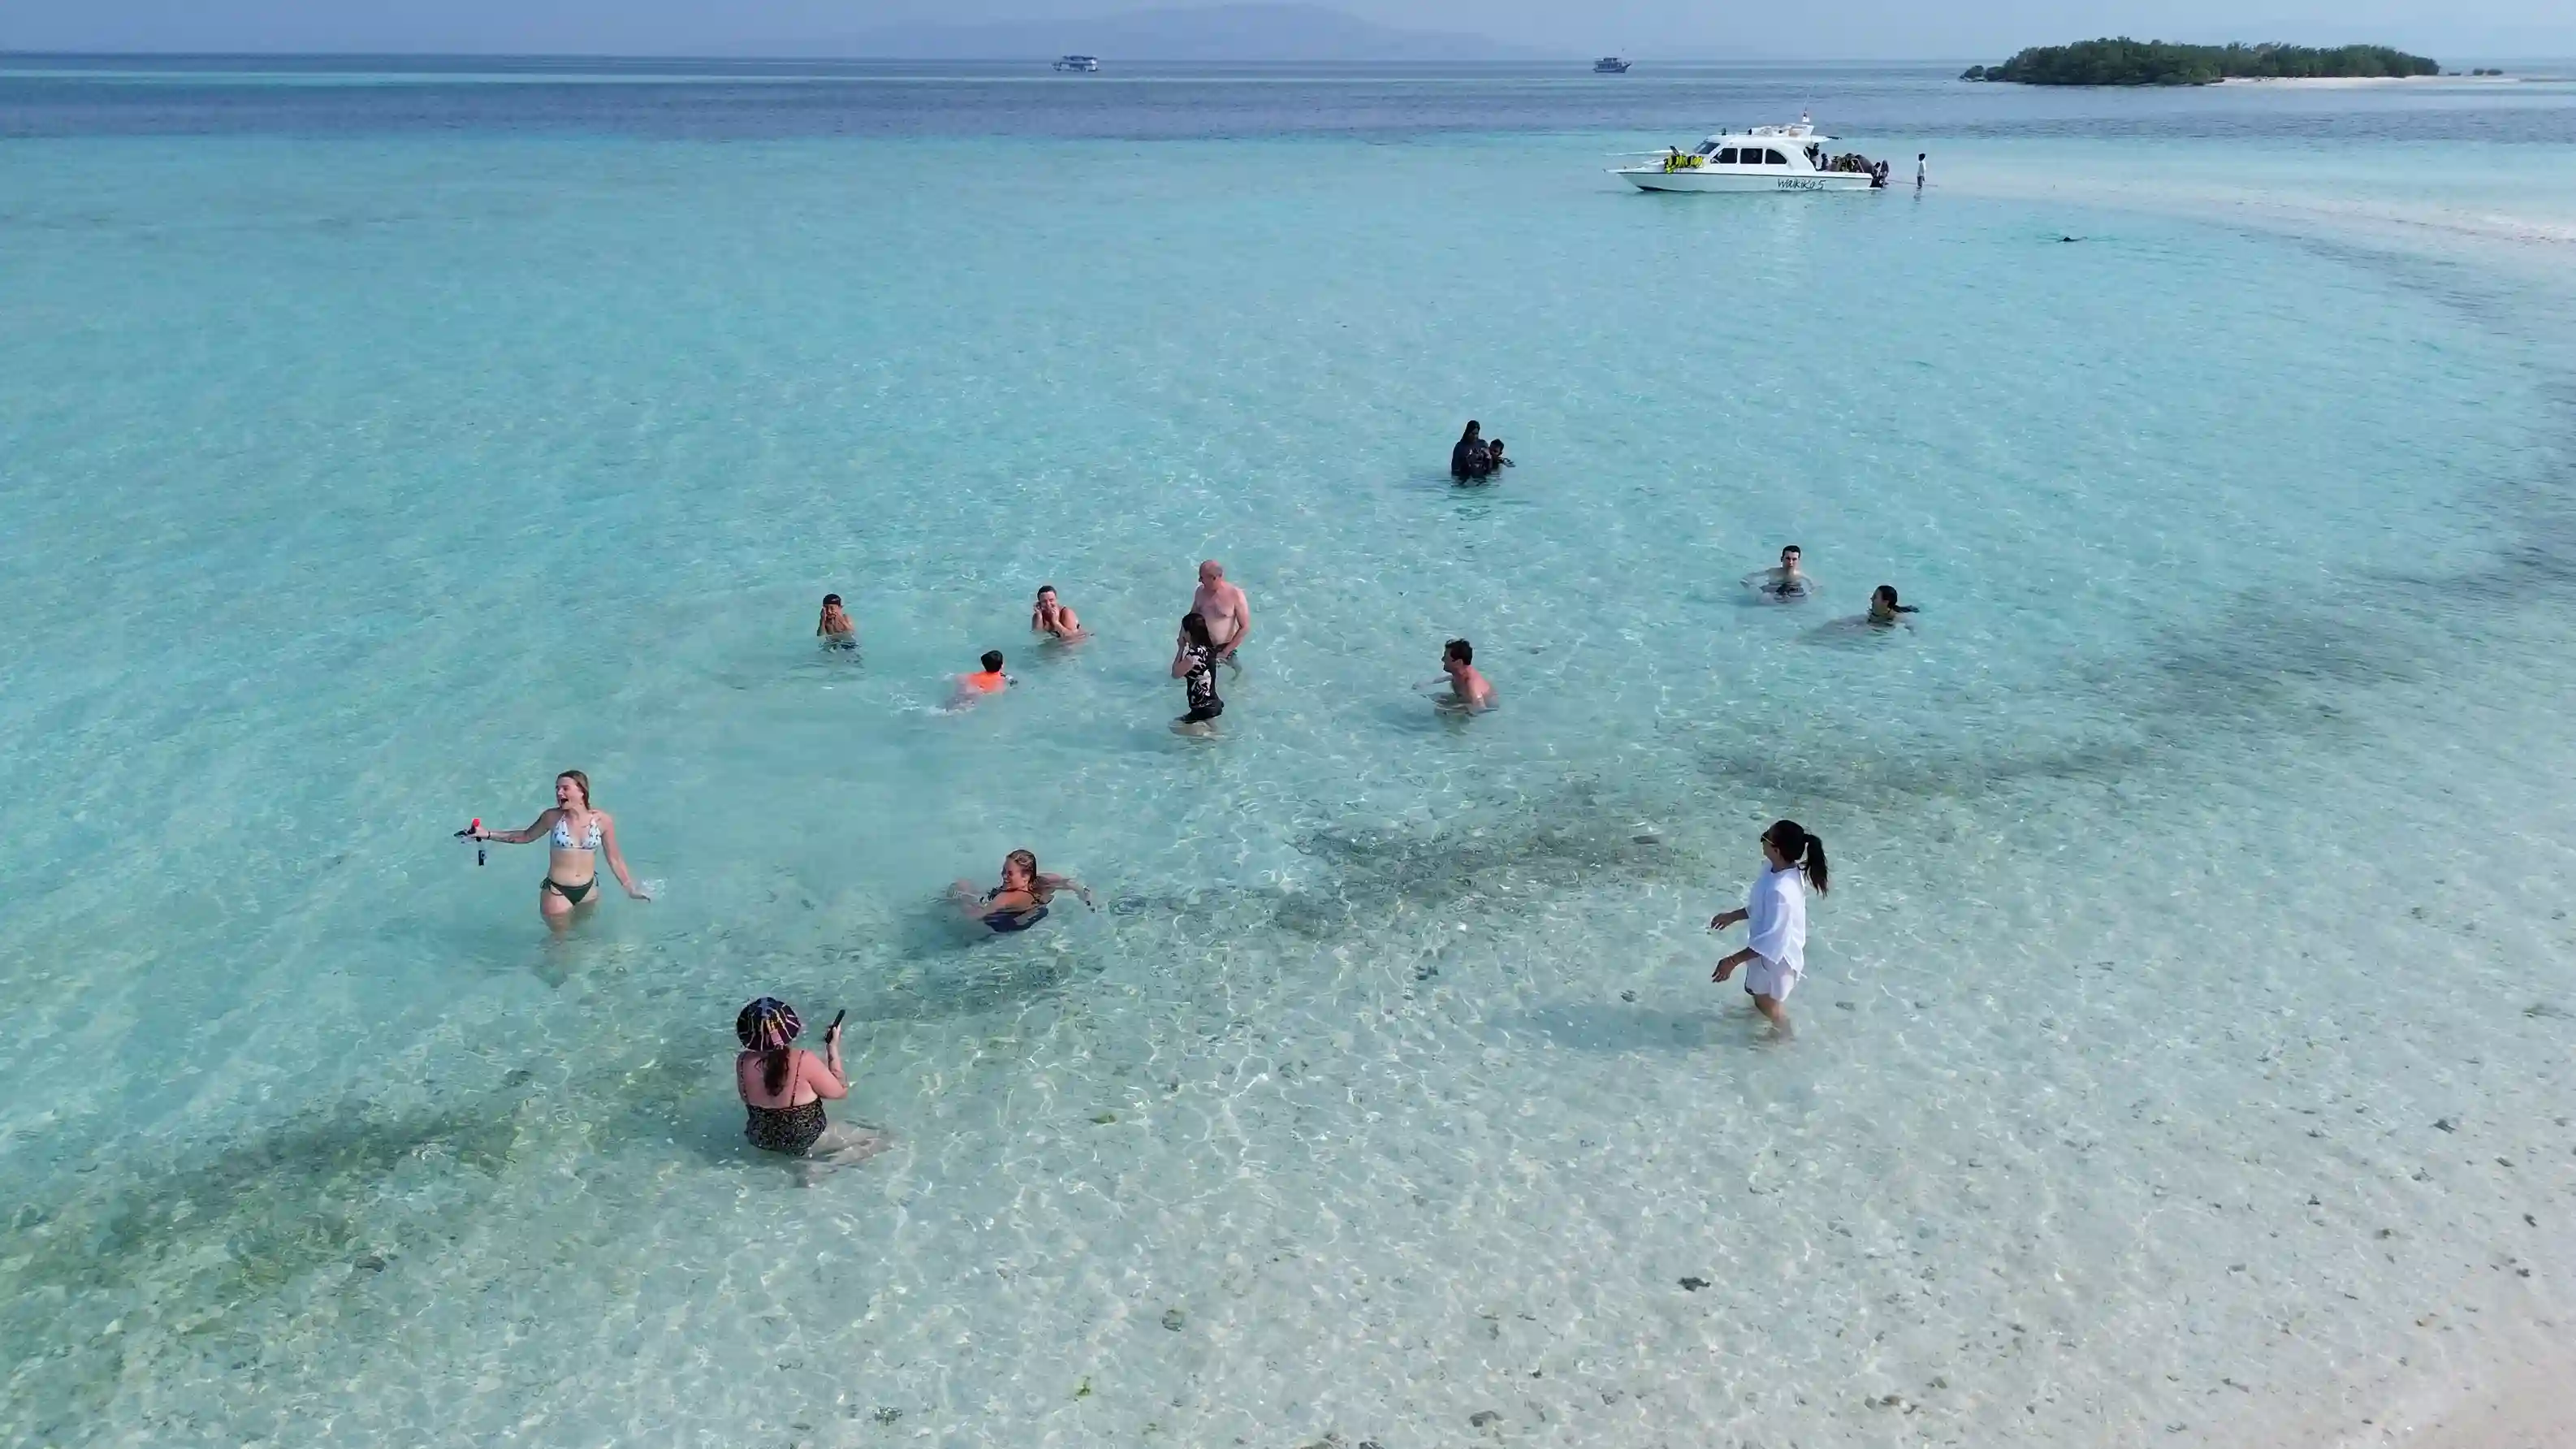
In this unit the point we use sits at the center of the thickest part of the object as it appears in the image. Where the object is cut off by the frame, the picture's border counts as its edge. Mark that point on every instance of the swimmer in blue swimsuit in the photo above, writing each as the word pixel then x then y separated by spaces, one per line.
pixel 576 832
pixel 1020 901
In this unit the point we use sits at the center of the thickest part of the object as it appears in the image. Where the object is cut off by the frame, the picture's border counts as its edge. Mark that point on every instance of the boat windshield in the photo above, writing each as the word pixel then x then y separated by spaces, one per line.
pixel 1706 148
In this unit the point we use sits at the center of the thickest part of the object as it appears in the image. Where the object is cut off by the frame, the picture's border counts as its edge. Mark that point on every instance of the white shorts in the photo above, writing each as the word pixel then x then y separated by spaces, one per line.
pixel 1766 977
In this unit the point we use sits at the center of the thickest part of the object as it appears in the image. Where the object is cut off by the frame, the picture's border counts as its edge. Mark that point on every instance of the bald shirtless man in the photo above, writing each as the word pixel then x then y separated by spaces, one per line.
pixel 1227 611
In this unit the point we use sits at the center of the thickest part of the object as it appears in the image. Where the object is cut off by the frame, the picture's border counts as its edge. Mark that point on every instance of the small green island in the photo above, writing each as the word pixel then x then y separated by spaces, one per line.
pixel 2126 62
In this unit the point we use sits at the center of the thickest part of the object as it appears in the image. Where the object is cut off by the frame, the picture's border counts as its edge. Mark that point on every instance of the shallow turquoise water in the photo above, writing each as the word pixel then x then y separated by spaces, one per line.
pixel 2196 852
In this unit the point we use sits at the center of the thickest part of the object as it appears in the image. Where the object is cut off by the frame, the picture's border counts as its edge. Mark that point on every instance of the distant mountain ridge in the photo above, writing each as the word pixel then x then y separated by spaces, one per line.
pixel 1222 33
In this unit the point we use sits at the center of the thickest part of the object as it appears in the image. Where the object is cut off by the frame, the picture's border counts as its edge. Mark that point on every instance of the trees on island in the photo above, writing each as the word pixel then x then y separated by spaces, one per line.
pixel 2126 62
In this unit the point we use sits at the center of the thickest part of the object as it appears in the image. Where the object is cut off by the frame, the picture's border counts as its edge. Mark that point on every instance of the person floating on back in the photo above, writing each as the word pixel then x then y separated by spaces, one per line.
pixel 1793 863
pixel 1050 617
pixel 834 627
pixel 990 680
pixel 1468 691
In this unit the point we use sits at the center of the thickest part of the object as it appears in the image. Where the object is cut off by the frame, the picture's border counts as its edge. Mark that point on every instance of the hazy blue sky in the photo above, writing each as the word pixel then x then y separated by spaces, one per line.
pixel 2451 30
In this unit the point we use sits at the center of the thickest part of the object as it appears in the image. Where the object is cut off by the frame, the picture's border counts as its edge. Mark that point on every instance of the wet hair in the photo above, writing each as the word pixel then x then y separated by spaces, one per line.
pixel 1473 428
pixel 1799 848
pixel 1792 548
pixel 1028 859
pixel 1460 650
pixel 1046 588
pixel 578 778
pixel 831 601
pixel 1884 593
pixel 767 1026
pixel 992 661
pixel 1194 624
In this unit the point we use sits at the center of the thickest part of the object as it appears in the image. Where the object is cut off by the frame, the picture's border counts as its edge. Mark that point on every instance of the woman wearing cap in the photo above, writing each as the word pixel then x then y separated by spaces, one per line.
pixel 1793 861
pixel 784 1088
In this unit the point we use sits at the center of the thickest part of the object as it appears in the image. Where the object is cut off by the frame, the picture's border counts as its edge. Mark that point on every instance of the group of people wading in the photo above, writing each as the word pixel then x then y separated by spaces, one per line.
pixel 783 1088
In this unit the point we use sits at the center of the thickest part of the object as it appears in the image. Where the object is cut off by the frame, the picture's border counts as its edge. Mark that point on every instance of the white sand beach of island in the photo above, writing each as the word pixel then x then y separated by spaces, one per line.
pixel 2340 82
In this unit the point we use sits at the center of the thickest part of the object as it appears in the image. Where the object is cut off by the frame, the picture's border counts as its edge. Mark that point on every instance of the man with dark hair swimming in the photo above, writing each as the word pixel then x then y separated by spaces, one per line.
pixel 1468 691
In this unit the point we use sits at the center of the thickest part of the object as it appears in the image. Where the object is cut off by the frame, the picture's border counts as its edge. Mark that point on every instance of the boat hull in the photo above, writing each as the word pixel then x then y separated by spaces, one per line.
pixel 1656 178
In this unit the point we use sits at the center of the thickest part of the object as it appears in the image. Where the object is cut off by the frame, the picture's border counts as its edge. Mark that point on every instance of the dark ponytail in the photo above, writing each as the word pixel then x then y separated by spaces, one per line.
pixel 1807 852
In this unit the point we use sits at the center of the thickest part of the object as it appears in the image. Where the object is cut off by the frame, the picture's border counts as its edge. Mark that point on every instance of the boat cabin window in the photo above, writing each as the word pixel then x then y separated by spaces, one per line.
pixel 1705 148
pixel 1763 158
pixel 1726 157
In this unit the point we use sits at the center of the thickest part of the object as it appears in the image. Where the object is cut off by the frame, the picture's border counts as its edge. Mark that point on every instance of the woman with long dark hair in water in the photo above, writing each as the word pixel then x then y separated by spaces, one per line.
pixel 573 830
pixel 1194 664
pixel 1793 863
pixel 784 1088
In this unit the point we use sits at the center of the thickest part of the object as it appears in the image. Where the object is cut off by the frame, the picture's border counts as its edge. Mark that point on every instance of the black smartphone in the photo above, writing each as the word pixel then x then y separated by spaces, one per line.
pixel 836 1021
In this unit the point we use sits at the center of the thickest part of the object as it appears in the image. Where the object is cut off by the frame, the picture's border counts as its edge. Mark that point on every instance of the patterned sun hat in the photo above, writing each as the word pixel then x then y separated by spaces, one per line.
pixel 768 1024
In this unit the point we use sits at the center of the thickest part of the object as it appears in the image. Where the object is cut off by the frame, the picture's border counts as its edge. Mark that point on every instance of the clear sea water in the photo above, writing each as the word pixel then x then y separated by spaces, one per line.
pixel 2184 1051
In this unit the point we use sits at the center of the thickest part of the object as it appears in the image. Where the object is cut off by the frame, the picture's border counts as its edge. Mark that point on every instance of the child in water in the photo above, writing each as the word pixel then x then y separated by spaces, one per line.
pixel 973 687
pixel 834 627
pixel 1494 460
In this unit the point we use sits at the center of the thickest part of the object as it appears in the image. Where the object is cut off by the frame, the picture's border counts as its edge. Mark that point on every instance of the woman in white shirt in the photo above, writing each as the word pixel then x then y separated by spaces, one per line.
pixel 1777 907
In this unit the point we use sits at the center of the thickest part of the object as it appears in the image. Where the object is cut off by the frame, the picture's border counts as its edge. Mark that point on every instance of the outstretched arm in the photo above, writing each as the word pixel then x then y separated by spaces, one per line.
pixel 544 822
pixel 616 857
pixel 1724 919
pixel 1068 883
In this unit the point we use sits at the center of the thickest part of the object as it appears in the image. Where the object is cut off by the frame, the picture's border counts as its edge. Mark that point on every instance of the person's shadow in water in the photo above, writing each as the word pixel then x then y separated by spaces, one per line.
pixel 1605 1027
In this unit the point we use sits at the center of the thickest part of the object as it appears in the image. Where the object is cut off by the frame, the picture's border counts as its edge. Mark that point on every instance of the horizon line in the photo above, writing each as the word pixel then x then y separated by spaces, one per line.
pixel 791 58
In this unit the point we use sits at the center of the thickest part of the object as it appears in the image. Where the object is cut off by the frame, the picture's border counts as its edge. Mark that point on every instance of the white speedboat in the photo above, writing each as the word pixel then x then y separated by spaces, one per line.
pixel 1766 158
pixel 1083 63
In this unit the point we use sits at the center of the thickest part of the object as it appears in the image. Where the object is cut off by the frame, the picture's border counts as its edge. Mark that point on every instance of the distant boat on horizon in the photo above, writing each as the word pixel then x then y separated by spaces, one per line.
pixel 1609 65
pixel 1083 63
